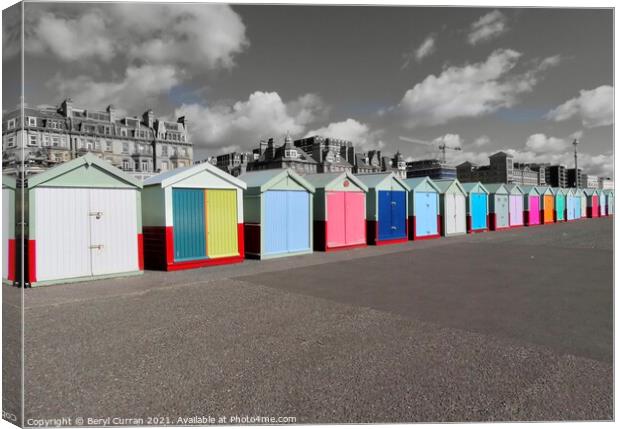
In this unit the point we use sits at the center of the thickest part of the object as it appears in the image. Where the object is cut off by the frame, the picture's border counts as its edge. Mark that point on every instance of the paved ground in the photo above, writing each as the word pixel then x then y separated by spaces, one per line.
pixel 513 325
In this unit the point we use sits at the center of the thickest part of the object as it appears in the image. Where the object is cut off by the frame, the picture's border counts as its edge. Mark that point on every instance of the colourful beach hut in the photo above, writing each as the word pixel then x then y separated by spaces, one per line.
pixel 592 197
pixel 386 208
pixel 515 203
pixel 583 201
pixel 424 218
pixel 572 205
pixel 277 210
pixel 452 207
pixel 547 204
pixel 499 206
pixel 610 202
pixel 8 229
pixel 477 207
pixel 339 211
pixel 84 223
pixel 192 217
pixel 532 205
pixel 559 204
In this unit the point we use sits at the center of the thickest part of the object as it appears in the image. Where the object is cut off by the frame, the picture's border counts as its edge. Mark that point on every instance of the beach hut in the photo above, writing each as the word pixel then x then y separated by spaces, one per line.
pixel 592 197
pixel 572 205
pixel 424 219
pixel 339 211
pixel 499 206
pixel 531 203
pixel 452 207
pixel 8 229
pixel 602 203
pixel 515 203
pixel 610 202
pixel 547 204
pixel 192 217
pixel 477 207
pixel 583 200
pixel 277 210
pixel 84 223
pixel 559 204
pixel 386 208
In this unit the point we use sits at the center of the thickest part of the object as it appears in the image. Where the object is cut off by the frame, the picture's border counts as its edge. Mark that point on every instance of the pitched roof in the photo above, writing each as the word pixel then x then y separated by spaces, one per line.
pixel 445 184
pixel 471 186
pixel 372 180
pixel 8 182
pixel 322 180
pixel 414 182
pixel 495 188
pixel 173 176
pixel 88 159
pixel 264 179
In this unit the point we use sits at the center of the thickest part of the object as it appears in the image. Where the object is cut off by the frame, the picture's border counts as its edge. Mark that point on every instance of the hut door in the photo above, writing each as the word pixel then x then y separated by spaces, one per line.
pixel 221 216
pixel 298 221
pixel 188 219
pixel 355 218
pixel 450 213
pixel 275 222
pixel 548 208
pixel 62 233
pixel 479 211
pixel 336 213
pixel 602 205
pixel 399 214
pixel 425 213
pixel 559 207
pixel 501 210
pixel 113 231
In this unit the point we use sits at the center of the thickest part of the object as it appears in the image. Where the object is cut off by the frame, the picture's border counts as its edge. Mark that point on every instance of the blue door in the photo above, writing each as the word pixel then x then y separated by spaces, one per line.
pixel 385 215
pixel 298 221
pixel 188 222
pixel 478 211
pixel 425 213
pixel 399 214
pixel 275 225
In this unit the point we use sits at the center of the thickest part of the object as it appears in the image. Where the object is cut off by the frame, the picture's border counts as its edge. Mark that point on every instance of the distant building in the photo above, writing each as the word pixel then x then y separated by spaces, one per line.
pixel 591 181
pixel 502 169
pixel 235 163
pixel 573 182
pixel 432 168
pixel 396 165
pixel 369 162
pixel 605 183
pixel 332 155
pixel 555 175
pixel 523 175
pixel 140 145
pixel 285 156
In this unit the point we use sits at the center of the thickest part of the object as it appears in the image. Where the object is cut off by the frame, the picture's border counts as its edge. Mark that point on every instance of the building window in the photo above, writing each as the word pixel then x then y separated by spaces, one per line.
pixel 55 141
pixel 46 141
pixel 164 166
pixel 125 147
pixel 108 146
pixel 32 121
pixel 145 166
pixel 10 141
pixel 123 132
pixel 32 140
pixel 125 164
pixel 164 150
pixel 11 124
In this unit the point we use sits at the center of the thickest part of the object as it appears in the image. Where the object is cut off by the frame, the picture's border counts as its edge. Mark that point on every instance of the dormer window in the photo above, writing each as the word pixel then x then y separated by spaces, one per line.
pixel 11 123
pixel 290 153
pixel 32 122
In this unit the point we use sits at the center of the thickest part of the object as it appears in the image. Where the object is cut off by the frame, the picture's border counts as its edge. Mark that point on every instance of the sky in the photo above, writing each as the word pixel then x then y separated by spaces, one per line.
pixel 527 81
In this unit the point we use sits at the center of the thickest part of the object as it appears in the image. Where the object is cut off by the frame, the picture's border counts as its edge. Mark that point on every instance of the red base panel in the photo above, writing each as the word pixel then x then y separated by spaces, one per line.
pixel 411 224
pixel 393 241
pixel 473 231
pixel 372 234
pixel 346 247
pixel 321 240
pixel 591 213
pixel 10 275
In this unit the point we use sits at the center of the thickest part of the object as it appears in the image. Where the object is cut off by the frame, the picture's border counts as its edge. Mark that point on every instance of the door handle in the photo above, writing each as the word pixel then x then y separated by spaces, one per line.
pixel 96 214
pixel 96 246
pixel 393 203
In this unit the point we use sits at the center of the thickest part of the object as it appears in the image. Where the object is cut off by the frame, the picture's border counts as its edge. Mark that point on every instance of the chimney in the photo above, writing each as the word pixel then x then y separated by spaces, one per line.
pixel 66 107
pixel 112 112
pixel 148 118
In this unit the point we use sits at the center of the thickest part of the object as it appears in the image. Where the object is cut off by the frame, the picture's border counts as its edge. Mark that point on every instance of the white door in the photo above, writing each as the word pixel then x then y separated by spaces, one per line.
pixel 113 231
pixel 450 213
pixel 460 210
pixel 5 232
pixel 61 233
pixel 584 205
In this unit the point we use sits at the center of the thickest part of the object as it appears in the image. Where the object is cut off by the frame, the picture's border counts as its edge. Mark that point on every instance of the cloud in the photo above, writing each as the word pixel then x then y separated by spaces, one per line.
pixel 469 91
pixel 451 140
pixel 359 133
pixel 595 107
pixel 424 50
pixel 487 27
pixel 241 124
pixel 130 93
pixel 540 143
pixel 197 36
pixel 482 141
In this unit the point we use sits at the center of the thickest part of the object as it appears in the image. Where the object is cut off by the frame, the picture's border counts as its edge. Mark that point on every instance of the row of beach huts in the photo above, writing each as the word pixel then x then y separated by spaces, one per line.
pixel 86 219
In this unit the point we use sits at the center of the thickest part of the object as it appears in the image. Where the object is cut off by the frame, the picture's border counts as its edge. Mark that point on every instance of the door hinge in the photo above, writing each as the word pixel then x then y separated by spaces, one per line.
pixel 96 246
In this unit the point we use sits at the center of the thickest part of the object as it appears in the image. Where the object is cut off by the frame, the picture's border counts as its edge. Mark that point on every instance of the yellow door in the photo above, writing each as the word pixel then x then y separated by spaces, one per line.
pixel 221 214
pixel 548 208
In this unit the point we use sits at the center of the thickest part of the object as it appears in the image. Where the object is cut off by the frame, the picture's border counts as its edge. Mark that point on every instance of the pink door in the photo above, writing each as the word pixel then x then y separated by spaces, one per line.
pixel 594 206
pixel 336 219
pixel 516 210
pixel 355 218
pixel 534 210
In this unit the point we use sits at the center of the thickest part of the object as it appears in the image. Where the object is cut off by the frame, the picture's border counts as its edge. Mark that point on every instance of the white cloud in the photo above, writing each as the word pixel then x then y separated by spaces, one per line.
pixel 198 36
pixel 262 115
pixel 540 143
pixel 595 107
pixel 359 133
pixel 451 140
pixel 426 48
pixel 130 93
pixel 468 91
pixel 482 141
pixel 487 27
